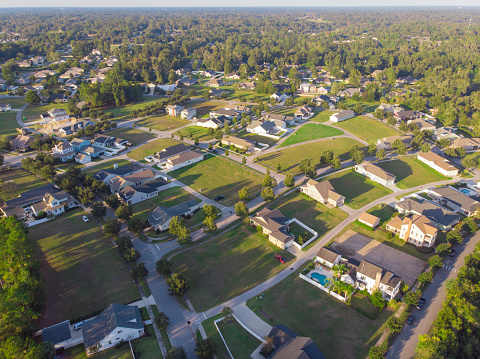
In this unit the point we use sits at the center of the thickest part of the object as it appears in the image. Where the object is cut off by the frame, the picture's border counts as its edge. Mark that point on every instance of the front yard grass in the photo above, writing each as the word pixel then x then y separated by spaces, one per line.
pixel 15 102
pixel 228 265
pixel 367 129
pixel 216 176
pixel 253 137
pixel 123 113
pixel 338 330
pixel 310 131
pixel 151 148
pixel 135 137
pixel 240 342
pixel 107 165
pixel 368 106
pixel 163 122
pixel 24 181
pixel 193 132
pixel 289 158
pixel 212 333
pixel 204 107
pixel 8 124
pixel 357 189
pixel 411 172
pixel 322 116
pixel 33 112
pixel 80 269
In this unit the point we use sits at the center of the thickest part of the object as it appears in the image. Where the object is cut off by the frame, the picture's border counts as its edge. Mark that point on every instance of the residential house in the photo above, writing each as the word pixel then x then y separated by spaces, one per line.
pixel 21 142
pixel 390 108
pixel 16 205
pixel 439 216
pixel 74 72
pixel 422 125
pixel 55 114
pixel 133 195
pixel 182 72
pixel 446 132
pixel 5 107
pixel 54 203
pixel 456 200
pixel 162 156
pixel 239 109
pixel 417 230
pixel 233 76
pixel 184 159
pixel 37 60
pixel 208 73
pixel 376 73
pixel 438 163
pixel 265 127
pixel 216 92
pixel 342 116
pixel 469 144
pixel 160 218
pixel 289 345
pixel 307 88
pixel 106 175
pixel 214 83
pixel 328 257
pixel 83 159
pixel 238 143
pixel 109 141
pixel 323 192
pixel 93 152
pixel 372 278
pixel 275 225
pixel 322 90
pixel 54 98
pixel 230 114
pixel 369 219
pixel 376 174
pixel 280 97
pixel 280 120
pixel 386 143
pixel 23 81
pixel 331 100
pixel 24 63
pixel 349 92
pixel 213 122
pixel 115 324
pixel 408 80
pixel 174 110
pixel 135 179
pixel 63 151
pixel 407 115
pixel 304 112
pixel 247 85
pixel 186 82
pixel 44 73
pixel 78 144
pixel 188 113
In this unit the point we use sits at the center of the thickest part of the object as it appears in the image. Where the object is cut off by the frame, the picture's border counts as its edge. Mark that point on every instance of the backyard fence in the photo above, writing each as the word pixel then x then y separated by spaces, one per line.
pixel 315 234
pixel 318 285
pixel 221 336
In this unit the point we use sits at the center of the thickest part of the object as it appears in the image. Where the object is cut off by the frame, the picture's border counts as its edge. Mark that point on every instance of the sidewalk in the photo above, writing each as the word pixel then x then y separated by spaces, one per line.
pixel 251 322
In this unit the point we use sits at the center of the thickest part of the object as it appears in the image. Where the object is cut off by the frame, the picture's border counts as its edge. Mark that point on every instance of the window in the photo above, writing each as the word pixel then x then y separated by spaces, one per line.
pixel 119 331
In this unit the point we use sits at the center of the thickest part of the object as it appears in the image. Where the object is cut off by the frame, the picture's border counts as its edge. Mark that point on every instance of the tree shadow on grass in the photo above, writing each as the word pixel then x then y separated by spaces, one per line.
pixel 398 168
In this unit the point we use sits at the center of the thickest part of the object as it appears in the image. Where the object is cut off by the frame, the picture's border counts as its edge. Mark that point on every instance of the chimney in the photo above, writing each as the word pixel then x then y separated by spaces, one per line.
pixel 378 277
pixel 115 166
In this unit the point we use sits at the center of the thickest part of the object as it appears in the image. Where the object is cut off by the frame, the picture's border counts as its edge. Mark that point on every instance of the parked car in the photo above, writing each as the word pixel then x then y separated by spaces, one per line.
pixel 410 319
pixel 79 325
pixel 279 258
pixel 85 219
pixel 452 253
pixel 218 198
pixel 421 303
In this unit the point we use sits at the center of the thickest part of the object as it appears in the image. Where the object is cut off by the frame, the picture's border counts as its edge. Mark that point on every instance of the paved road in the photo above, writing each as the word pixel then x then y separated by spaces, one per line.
pixel 435 294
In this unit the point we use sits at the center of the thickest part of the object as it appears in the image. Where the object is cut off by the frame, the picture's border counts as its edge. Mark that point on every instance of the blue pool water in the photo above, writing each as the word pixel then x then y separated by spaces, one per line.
pixel 320 277
pixel 466 191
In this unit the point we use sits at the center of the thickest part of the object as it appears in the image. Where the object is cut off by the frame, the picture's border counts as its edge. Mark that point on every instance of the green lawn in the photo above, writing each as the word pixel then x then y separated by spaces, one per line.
pixel 78 352
pixel 147 347
pixel 212 333
pixel 217 176
pixel 24 181
pixel 411 172
pixel 151 148
pixel 228 265
pixel 107 165
pixel 135 137
pixel 80 269
pixel 315 215
pixel 195 131
pixel 249 95
pixel 163 122
pixel 338 330
pixel 322 116
pixel 240 342
pixel 8 124
pixel 123 113
pixel 382 211
pixel 310 131
pixel 357 189
pixel 256 138
pixel 33 112
pixel 289 158
pixel 368 106
pixel 15 102
pixel 367 129
pixel 204 107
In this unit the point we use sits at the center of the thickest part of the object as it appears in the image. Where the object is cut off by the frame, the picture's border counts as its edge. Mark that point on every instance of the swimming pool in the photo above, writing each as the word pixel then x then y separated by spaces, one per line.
pixel 466 191
pixel 320 277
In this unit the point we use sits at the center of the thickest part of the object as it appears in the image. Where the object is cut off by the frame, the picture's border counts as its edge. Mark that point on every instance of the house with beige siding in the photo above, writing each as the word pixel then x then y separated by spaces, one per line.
pixel 376 174
pixel 418 230
pixel 438 163
pixel 323 192
pixel 275 225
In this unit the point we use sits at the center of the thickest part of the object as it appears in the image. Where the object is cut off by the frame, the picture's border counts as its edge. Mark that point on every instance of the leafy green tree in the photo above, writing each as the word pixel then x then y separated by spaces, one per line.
pixel 289 180
pixel 243 194
pixel 454 237
pixel 227 313
pixel 175 224
pixel 164 267
pixel 111 228
pixel 336 163
pixel 411 298
pixel 267 194
pixel 209 210
pixel 435 261
pixel 244 160
pixel 206 349
pixel 372 149
pixel 162 321
pixel 136 225
pixel 32 97
pixel 394 325
pixel 381 154
pixel 358 156
pixel 425 277
pixel 209 225
pixel 377 299
pixel 376 353
pixel 443 249
pixel 241 209
pixel 124 212
pixel 183 236
pixel 177 284
pixel 425 147
pixel 177 353
pixel 99 209
pixel 113 202
pixel 140 271
pixel 379 114
pixel 131 255
pixel 267 180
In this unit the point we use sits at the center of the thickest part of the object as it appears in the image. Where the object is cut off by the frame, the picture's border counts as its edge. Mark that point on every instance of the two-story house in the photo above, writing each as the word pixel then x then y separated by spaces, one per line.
pixel 418 230
pixel 323 192
pixel 63 151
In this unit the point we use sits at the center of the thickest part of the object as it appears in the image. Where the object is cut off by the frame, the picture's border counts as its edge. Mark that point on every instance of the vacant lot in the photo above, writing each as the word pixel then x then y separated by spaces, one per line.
pixel 315 215
pixel 193 132
pixel 81 270
pixel 310 131
pixel 339 331
pixel 204 107
pixel 228 265
pixel 367 129
pixel 216 176
pixel 256 138
pixel 411 172
pixel 151 148
pixel 8 123
pixel 23 181
pixel 368 106
pixel 15 102
pixel 123 113
pixel 322 116
pixel 107 165
pixel 33 112
pixel 357 189
pixel 289 158
pixel 163 122
pixel 135 137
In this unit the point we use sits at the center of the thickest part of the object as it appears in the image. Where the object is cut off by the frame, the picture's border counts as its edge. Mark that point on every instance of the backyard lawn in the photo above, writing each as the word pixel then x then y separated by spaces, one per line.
pixel 367 129
pixel 228 265
pixel 8 123
pixel 311 131
pixel 194 131
pixel 123 113
pixel 253 137
pixel 322 116
pixel 106 165
pixel 15 102
pixel 24 181
pixel 151 148
pixel 338 330
pixel 357 189
pixel 78 352
pixel 289 158
pixel 135 137
pixel 33 112
pixel 204 107
pixel 240 342
pixel 411 172
pixel 163 122
pixel 80 269
pixel 216 176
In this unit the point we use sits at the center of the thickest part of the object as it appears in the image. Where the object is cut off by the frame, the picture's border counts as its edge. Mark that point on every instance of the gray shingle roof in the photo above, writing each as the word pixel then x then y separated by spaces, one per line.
pixel 162 215
pixel 429 210
pixel 57 333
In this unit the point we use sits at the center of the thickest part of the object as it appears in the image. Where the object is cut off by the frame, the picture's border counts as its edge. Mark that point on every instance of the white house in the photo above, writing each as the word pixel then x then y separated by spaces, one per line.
pixel 63 151
pixel 323 192
pixel 372 278
pixel 184 159
pixel 438 163
pixel 304 112
pixel 54 203
pixel 133 195
pixel 266 127
pixel 212 122
pixel 418 230
pixel 328 257
pixel 83 159
pixel 55 114
pixel 174 110
pixel 188 113
pixel 5 107
pixel 342 116
pixel 376 174
pixel 456 200
pixel 280 97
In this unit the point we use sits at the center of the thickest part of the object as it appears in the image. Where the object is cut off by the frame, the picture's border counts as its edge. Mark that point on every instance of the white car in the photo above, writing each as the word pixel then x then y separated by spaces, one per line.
pixel 78 325
pixel 85 219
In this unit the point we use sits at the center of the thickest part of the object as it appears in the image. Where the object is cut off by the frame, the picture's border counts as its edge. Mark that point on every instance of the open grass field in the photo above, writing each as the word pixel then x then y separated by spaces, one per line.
pixel 163 122
pixel 151 148
pixel 289 158
pixel 123 113
pixel 367 129
pixel 368 106
pixel 8 124
pixel 411 172
pixel 15 102
pixel 310 131
pixel 315 215
pixel 357 189
pixel 107 165
pixel 194 131
pixel 33 112
pixel 204 107
pixel 253 137
pixel 81 270
pixel 240 342
pixel 338 330
pixel 24 181
pixel 228 265
pixel 135 137
pixel 287 111
pixel 217 176
pixel 249 95
pixel 322 116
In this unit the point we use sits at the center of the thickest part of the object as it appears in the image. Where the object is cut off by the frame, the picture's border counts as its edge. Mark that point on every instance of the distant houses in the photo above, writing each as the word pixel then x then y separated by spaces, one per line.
pixel 174 110
pixel 386 143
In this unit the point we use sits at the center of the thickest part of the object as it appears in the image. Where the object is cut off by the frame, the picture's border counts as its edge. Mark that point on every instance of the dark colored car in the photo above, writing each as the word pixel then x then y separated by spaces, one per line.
pixel 421 303
pixel 410 320
pixel 453 252
pixel 218 198
pixel 279 258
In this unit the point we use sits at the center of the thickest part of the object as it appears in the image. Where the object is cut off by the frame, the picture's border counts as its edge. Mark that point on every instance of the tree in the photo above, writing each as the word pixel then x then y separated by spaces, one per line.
pixel 243 194
pixel 381 154
pixel 454 237
pixel 131 255
pixel 162 321
pixel 435 261
pixel 99 209
pixel 113 202
pixel 241 209
pixel 425 277
pixel 469 162
pixel 177 353
pixel 124 212
pixel 227 313
pixel 358 108
pixel 372 149
pixel 136 225
pixel 177 284
pixel 379 114
pixel 244 160
pixel 209 225
pixel 267 194
pixel 175 224
pixel 376 353
pixel 226 153
pixel 183 236
pixel 209 210
pixel 377 299
pixel 206 349
pixel 339 269
pixel 425 147
pixel 443 249
pixel 111 228
pixel 267 180
pixel 140 271
pixel 394 325
pixel 336 163
pixel 358 156
pixel 289 180
pixel 32 97
pixel 411 298
pixel 164 267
